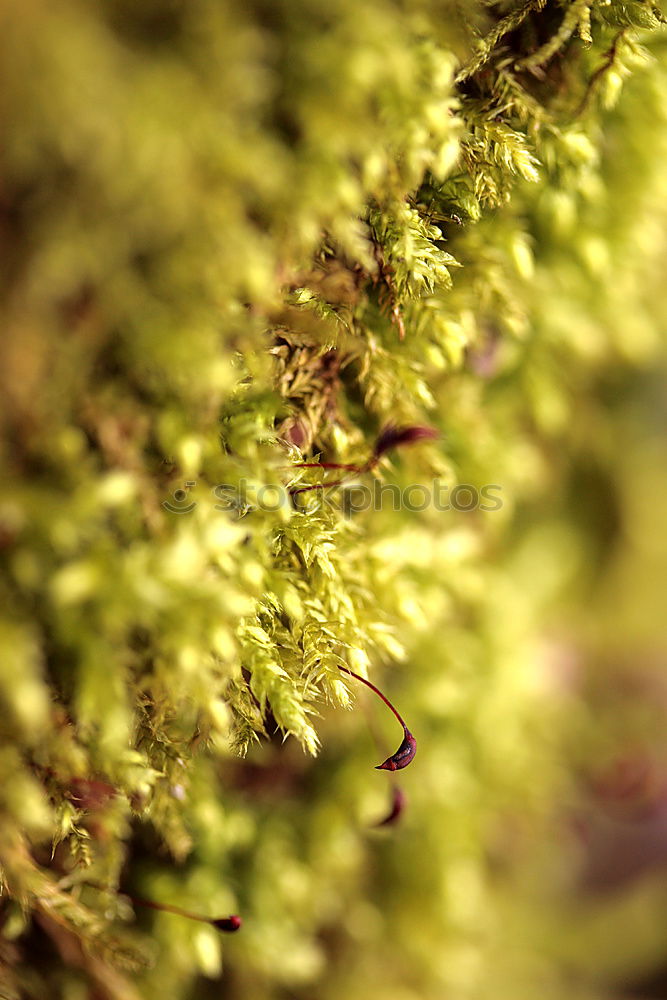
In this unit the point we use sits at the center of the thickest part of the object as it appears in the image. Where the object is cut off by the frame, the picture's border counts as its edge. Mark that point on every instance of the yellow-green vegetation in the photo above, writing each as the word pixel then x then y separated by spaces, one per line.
pixel 237 237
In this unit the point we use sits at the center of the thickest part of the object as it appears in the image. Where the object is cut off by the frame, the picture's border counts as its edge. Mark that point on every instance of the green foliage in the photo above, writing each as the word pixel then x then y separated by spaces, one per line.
pixel 239 237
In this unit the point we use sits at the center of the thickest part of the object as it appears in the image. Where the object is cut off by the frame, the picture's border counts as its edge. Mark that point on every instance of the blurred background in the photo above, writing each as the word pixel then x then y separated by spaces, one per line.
pixel 238 237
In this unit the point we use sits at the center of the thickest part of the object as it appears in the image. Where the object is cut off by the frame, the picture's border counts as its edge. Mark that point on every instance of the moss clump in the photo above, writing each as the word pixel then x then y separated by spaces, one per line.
pixel 239 237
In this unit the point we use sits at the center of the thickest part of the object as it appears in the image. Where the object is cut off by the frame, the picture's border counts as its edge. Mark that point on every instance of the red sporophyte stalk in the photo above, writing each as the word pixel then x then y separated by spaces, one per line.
pixel 408 748
pixel 230 924
pixel 391 437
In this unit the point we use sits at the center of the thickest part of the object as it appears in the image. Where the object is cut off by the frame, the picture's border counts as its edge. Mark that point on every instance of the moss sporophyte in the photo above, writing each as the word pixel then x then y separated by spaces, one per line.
pixel 229 924
pixel 396 762
pixel 396 809
pixel 389 438
pixel 408 748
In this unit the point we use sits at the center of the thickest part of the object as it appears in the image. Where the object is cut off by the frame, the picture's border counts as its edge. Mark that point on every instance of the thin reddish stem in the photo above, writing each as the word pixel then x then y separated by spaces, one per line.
pixel 325 465
pixel 363 680
pixel 179 911
pixel 231 923
pixel 359 469
pixel 316 486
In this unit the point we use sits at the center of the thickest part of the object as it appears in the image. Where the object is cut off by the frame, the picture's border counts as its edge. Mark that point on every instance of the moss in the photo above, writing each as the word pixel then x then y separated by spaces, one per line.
pixel 238 238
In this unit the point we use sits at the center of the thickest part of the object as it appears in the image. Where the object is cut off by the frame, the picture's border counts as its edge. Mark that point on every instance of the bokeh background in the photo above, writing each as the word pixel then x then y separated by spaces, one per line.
pixel 240 236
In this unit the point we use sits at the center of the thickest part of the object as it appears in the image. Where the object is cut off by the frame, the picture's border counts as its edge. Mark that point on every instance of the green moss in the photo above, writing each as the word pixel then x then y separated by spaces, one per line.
pixel 238 237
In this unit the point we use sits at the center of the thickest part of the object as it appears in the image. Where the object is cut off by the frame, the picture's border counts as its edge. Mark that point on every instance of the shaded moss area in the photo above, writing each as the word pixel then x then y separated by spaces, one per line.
pixel 242 238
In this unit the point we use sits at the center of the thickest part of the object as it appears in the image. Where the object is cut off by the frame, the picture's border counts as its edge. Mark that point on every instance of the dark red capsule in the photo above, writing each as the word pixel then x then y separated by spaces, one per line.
pixel 394 437
pixel 403 755
pixel 228 924
pixel 408 747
